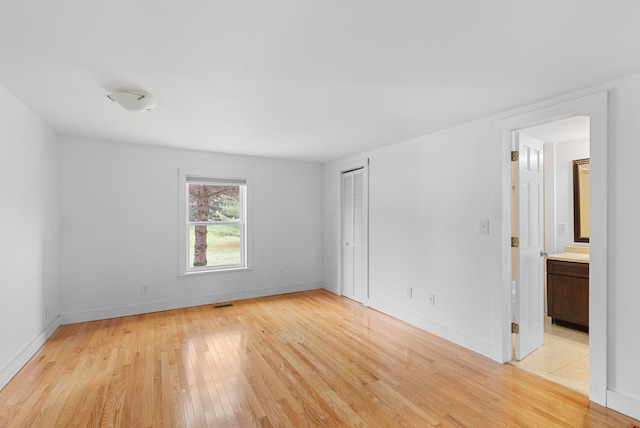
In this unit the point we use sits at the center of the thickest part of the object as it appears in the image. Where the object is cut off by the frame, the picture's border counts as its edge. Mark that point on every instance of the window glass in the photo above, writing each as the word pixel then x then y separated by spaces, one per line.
pixel 213 233
pixel 215 245
pixel 209 202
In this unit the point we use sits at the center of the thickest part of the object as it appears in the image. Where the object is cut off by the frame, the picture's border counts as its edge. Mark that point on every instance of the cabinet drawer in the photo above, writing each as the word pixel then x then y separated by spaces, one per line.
pixel 559 267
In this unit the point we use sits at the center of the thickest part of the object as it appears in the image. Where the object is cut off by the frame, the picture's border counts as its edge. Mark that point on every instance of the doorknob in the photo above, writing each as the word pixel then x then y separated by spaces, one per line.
pixel 543 253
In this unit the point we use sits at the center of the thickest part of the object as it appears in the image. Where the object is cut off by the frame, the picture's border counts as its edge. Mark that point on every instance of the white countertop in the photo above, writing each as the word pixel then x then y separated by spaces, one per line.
pixel 573 254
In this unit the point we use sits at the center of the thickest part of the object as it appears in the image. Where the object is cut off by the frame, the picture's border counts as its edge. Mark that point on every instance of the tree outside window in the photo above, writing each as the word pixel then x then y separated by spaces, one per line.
pixel 215 225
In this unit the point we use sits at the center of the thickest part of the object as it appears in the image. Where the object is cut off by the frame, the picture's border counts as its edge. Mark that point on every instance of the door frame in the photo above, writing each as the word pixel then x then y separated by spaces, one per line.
pixel 596 106
pixel 342 168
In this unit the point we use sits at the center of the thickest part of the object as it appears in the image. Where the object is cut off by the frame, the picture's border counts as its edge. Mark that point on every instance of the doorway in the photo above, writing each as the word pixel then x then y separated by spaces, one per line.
pixel 596 106
pixel 563 354
pixel 354 233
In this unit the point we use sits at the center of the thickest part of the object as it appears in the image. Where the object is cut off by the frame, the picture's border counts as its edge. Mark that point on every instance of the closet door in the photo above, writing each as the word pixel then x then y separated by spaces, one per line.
pixel 354 235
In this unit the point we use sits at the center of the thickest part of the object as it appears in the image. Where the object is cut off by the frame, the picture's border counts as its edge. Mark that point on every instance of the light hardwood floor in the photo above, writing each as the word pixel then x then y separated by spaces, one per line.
pixel 304 359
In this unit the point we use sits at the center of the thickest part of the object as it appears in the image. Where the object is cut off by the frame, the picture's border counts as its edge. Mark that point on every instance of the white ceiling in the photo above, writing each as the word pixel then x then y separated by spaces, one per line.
pixel 571 129
pixel 309 80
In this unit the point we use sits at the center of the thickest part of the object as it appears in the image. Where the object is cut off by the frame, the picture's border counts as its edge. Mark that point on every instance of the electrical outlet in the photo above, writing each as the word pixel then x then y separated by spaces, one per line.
pixel 432 299
pixel 282 271
pixel 409 292
pixel 144 289
pixel 46 314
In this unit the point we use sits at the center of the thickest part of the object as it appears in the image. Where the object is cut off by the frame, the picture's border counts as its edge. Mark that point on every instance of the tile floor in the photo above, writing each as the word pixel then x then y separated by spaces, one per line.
pixel 563 358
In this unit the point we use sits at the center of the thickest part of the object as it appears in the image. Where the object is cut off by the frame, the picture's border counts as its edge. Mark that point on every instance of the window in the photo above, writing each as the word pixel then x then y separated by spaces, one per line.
pixel 213 229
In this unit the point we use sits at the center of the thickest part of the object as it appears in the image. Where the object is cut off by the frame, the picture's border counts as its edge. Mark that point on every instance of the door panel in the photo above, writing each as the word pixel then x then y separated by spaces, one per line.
pixel 354 235
pixel 530 265
pixel 347 235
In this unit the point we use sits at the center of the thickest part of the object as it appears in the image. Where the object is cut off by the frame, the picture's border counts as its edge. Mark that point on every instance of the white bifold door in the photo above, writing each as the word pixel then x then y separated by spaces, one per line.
pixel 354 234
pixel 529 313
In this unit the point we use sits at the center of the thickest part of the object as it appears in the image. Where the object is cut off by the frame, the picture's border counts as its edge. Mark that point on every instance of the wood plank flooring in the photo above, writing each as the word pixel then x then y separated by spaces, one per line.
pixel 297 360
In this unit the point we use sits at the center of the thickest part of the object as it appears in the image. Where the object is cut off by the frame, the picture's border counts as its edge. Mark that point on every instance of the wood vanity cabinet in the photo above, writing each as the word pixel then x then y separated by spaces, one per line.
pixel 568 293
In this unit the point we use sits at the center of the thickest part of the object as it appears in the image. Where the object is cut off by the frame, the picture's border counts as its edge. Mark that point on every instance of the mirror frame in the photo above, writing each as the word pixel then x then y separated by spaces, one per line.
pixel 577 215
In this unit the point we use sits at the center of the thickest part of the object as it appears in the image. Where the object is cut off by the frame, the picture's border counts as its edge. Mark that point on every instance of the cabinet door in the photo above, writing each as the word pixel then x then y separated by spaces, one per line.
pixel 568 298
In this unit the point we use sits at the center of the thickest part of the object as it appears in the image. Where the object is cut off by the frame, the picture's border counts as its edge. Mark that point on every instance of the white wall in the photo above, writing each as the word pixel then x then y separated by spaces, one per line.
pixel 426 197
pixel 28 234
pixel 119 213
pixel 624 236
pixel 561 208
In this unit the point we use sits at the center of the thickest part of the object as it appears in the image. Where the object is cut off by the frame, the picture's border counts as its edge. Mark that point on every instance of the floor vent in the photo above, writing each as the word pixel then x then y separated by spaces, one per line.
pixel 222 305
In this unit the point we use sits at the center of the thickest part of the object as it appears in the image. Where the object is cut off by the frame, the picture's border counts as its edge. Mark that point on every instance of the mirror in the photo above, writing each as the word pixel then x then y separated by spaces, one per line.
pixel 581 200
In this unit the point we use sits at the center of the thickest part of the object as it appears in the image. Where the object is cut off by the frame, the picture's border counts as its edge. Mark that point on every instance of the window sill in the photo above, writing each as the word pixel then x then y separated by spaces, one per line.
pixel 209 271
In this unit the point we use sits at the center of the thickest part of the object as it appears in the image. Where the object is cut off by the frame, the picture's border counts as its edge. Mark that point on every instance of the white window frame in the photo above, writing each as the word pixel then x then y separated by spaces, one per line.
pixel 190 175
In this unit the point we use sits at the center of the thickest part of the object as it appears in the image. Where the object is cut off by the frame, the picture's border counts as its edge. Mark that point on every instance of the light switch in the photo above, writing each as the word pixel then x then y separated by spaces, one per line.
pixel 483 227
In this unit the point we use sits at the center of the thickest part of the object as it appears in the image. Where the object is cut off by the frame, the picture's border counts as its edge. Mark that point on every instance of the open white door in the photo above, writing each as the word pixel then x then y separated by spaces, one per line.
pixel 354 234
pixel 529 311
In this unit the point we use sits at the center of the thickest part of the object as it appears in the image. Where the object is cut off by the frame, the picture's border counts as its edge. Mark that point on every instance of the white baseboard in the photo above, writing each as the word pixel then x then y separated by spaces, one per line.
pixel 123 311
pixel 470 343
pixel 14 366
pixel 623 404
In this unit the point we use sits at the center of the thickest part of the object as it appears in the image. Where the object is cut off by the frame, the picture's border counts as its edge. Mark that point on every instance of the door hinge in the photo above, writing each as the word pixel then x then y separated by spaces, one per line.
pixel 515 155
pixel 515 242
pixel 515 328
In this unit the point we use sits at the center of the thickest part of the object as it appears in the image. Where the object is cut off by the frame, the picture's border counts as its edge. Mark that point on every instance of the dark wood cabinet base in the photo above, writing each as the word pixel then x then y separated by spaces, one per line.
pixel 570 325
pixel 568 293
